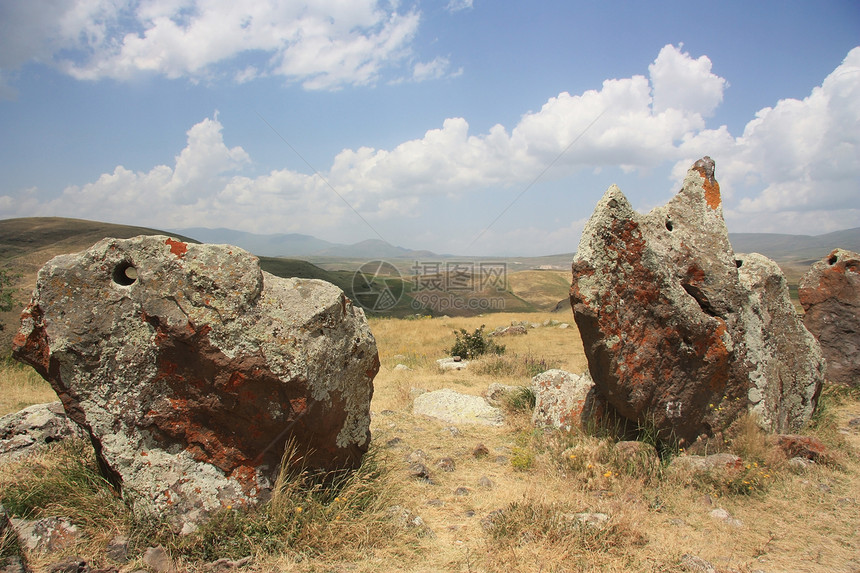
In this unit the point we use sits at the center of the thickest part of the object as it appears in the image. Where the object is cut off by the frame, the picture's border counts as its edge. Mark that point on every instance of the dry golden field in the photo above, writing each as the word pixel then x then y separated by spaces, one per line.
pixel 511 506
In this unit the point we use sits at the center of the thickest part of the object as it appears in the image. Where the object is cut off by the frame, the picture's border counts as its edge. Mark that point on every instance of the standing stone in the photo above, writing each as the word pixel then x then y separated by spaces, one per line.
pixel 674 336
pixel 190 369
pixel 830 295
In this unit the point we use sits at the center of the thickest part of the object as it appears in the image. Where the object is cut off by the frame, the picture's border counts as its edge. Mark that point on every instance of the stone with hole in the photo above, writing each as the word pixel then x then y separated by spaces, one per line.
pixel 191 369
pixel 830 295
pixel 681 334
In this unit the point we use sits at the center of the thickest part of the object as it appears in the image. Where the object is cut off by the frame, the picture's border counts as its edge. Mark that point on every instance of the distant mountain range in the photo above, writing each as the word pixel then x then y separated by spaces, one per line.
pixel 779 247
pixel 297 245
pixel 795 248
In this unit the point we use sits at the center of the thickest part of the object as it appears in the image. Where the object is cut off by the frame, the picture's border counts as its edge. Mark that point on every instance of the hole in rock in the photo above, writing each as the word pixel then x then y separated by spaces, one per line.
pixel 669 225
pixel 739 263
pixel 125 274
pixel 832 260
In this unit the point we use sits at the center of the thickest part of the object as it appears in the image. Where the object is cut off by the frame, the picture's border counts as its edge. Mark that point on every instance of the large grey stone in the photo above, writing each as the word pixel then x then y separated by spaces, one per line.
pixel 680 333
pixel 455 408
pixel 562 399
pixel 191 369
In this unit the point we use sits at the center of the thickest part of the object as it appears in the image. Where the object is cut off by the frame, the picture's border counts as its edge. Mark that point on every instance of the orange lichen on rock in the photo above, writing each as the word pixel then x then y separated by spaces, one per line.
pixel 705 167
pixel 676 330
pixel 178 248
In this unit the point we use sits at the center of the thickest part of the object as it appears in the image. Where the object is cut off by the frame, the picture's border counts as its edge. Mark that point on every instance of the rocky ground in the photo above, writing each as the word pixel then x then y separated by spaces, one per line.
pixel 460 496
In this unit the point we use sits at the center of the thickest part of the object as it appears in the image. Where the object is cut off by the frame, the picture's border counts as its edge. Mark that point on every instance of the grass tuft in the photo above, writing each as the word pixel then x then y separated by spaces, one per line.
pixel 554 524
pixel 64 480
pixel 338 514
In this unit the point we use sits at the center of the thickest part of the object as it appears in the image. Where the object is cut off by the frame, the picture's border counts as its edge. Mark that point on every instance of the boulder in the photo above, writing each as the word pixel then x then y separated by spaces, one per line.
pixel 807 447
pixel 830 295
pixel 513 330
pixel 34 427
pixel 562 399
pixel 786 363
pixel 452 363
pixel 191 369
pixel 680 333
pixel 455 408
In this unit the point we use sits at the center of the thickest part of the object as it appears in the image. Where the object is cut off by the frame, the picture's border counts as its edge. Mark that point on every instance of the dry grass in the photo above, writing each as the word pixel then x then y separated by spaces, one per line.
pixel 511 505
pixel 20 387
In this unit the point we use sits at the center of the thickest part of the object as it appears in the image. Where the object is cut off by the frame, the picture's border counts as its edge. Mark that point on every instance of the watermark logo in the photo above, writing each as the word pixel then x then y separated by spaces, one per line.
pixel 377 286
pixel 455 285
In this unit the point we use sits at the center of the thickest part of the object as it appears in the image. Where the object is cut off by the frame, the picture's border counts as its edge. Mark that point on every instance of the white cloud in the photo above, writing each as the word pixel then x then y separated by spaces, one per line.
pixel 324 45
pixel 616 125
pixel 457 5
pixel 435 69
pixel 796 167
pixel 380 183
pixel 680 82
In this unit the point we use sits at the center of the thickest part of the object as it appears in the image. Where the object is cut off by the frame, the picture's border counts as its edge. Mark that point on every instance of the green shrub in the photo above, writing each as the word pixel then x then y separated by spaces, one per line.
pixel 522 459
pixel 474 344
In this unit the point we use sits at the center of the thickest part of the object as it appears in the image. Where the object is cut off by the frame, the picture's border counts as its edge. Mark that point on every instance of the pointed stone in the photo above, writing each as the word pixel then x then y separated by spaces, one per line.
pixel 677 336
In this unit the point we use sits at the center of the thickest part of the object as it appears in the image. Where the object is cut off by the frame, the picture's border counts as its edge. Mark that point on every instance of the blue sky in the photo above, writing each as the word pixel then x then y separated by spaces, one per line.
pixel 472 127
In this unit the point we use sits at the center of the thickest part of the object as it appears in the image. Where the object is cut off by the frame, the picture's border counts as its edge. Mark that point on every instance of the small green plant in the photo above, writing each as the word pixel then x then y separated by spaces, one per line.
pixel 520 400
pixel 475 344
pixel 755 478
pixel 535 366
pixel 522 459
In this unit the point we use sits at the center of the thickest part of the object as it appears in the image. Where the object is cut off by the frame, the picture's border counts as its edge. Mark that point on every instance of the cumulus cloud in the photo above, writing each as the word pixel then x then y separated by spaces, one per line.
pixel 323 45
pixel 616 125
pixel 797 164
pixel 795 167
pixel 681 82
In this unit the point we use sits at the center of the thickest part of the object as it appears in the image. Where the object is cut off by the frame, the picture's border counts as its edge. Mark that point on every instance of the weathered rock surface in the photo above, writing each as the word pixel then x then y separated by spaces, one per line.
pixel 452 363
pixel 808 447
pixel 46 535
pixel 699 464
pixel 830 295
pixel 456 408
pixel 562 399
pixel 190 368
pixel 24 432
pixel 679 332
